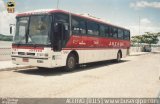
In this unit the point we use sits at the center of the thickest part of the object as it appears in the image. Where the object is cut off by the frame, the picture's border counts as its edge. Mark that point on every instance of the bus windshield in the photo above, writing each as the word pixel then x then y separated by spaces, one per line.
pixel 33 30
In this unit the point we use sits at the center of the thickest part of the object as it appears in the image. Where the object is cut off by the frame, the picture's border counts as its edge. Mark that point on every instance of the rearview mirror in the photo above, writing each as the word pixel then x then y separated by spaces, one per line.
pixel 10 29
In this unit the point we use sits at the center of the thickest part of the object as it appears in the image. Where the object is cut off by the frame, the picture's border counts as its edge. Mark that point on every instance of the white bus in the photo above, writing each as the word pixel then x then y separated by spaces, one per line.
pixel 55 38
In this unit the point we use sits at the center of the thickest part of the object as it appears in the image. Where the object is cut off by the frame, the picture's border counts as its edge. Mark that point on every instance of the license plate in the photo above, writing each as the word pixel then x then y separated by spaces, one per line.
pixel 25 60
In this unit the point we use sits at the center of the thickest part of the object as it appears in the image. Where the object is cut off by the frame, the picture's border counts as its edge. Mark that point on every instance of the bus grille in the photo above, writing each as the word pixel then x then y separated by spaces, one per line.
pixel 28 53
pixel 31 54
pixel 21 53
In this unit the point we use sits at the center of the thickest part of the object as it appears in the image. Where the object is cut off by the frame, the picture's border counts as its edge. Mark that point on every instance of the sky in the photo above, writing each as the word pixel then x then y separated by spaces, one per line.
pixel 139 16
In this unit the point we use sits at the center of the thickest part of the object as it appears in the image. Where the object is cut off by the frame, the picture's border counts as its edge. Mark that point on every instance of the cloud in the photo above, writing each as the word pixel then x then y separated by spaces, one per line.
pixel 145 21
pixel 5 19
pixel 145 26
pixel 2 6
pixel 145 4
pixel 135 29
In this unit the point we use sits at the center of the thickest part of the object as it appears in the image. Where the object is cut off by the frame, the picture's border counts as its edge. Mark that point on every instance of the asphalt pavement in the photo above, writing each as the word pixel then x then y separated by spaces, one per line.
pixel 136 76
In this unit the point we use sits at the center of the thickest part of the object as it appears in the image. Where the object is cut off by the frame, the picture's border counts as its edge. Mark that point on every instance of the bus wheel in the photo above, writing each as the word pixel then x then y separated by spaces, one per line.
pixel 71 62
pixel 40 68
pixel 118 57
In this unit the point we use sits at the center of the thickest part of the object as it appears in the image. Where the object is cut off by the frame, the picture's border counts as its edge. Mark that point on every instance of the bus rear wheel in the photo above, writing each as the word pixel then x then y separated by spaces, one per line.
pixel 71 63
pixel 118 57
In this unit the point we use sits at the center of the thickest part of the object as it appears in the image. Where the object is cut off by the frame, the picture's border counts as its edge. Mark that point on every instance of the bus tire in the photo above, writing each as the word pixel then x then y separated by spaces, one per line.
pixel 70 63
pixel 40 68
pixel 118 57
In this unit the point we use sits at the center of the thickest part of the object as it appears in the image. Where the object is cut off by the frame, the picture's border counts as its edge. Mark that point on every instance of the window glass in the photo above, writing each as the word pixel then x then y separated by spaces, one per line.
pixel 115 32
pixel 78 26
pixel 120 33
pixel 104 31
pixel 21 30
pixel 107 31
pixel 62 18
pixel 75 26
pixel 82 26
pixel 126 35
pixel 39 29
pixel 111 32
pixel 92 28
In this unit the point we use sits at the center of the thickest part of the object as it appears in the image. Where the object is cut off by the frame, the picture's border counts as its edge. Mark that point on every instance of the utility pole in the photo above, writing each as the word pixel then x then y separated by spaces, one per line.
pixel 139 25
pixel 139 31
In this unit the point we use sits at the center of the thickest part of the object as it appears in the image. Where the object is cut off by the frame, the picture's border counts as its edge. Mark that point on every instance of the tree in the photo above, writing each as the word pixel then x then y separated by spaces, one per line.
pixel 149 38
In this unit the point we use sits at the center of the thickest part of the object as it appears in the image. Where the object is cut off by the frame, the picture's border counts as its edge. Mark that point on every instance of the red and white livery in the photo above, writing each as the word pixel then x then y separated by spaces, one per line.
pixel 55 38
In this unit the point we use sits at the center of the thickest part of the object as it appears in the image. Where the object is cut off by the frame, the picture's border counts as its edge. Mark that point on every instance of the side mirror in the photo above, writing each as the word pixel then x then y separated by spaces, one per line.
pixel 11 29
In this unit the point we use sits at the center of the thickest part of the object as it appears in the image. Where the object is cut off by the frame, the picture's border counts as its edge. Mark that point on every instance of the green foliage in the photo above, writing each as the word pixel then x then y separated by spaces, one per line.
pixel 5 38
pixel 149 38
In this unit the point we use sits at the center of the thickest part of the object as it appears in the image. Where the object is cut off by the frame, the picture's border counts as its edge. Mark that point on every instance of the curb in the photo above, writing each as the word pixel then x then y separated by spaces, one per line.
pixel 139 54
pixel 15 68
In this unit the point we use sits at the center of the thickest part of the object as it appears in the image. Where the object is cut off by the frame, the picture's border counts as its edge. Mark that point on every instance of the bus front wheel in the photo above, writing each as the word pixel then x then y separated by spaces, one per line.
pixel 71 62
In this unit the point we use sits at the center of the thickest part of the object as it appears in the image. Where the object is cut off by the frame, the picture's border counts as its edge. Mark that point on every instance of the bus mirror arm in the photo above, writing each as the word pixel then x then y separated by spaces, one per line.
pixel 11 29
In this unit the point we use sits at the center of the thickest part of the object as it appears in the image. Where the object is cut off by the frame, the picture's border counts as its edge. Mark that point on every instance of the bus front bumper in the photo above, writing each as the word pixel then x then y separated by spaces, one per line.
pixel 38 62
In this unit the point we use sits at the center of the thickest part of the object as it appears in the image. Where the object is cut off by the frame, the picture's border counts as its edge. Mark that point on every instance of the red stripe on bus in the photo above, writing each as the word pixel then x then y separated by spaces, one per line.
pixel 76 41
pixel 91 48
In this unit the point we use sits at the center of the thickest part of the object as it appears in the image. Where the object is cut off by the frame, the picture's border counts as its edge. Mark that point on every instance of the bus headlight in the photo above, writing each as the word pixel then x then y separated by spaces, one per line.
pixel 42 54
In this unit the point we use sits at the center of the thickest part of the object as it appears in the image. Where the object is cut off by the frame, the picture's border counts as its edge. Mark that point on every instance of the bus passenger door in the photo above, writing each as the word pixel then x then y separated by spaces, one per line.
pixel 60 37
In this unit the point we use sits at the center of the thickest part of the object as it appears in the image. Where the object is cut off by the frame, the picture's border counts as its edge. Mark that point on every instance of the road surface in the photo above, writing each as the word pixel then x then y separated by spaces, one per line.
pixel 5 50
pixel 135 76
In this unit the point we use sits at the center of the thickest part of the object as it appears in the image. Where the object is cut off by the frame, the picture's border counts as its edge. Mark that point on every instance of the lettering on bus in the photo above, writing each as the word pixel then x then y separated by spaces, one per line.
pixel 116 44
pixel 82 43
pixel 35 50
pixel 96 42
pixel 75 41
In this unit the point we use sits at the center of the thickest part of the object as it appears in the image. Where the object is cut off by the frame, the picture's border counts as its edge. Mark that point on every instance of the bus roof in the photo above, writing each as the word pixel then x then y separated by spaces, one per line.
pixel 48 11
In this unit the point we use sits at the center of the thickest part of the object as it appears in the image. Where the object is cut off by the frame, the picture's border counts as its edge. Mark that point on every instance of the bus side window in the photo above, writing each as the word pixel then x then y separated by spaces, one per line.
pixel 92 28
pixel 78 26
pixel 126 35
pixel 120 34
pixel 111 32
pixel 115 32
pixel 82 26
pixel 102 30
pixel 107 31
pixel 75 26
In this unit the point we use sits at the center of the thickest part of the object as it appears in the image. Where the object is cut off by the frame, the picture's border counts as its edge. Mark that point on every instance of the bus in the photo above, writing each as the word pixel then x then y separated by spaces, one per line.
pixel 57 38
